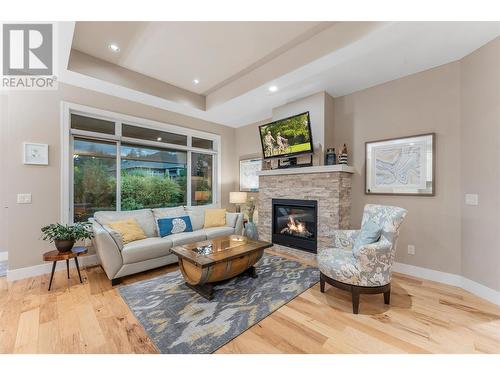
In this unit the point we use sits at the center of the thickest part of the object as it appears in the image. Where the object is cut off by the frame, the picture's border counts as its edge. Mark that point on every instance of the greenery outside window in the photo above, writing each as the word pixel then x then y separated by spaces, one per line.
pixel 201 179
pixel 94 177
pixel 152 177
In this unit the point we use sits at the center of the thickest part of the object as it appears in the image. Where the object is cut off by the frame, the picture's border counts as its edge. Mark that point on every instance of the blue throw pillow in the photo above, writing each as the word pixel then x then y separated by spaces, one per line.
pixel 369 233
pixel 173 225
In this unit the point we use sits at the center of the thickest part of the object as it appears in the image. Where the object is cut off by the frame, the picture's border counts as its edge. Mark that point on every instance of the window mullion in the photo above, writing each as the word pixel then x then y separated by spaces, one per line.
pixel 188 177
pixel 118 177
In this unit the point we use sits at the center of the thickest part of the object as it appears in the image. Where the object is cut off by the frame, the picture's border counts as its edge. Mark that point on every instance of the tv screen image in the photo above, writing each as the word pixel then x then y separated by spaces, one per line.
pixel 286 137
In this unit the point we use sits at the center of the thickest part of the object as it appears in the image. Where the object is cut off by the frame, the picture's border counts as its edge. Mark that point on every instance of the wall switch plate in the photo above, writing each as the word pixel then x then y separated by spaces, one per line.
pixel 411 249
pixel 471 199
pixel 24 198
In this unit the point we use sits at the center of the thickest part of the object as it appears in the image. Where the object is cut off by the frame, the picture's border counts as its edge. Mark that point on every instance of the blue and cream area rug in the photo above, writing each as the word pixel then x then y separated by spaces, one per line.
pixel 179 320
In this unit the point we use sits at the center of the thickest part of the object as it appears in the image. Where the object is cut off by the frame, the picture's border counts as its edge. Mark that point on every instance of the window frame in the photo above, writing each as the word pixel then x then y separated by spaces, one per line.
pixel 68 135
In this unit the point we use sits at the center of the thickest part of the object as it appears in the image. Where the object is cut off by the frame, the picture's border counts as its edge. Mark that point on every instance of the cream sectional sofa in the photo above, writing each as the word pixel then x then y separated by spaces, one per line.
pixel 118 259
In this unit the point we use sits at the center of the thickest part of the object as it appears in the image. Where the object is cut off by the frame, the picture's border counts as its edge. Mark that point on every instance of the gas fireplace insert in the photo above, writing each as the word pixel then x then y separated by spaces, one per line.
pixel 295 223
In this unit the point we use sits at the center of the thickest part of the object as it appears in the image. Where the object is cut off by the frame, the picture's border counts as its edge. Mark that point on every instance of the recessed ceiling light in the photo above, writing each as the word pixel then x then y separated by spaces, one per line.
pixel 273 88
pixel 159 139
pixel 196 81
pixel 114 47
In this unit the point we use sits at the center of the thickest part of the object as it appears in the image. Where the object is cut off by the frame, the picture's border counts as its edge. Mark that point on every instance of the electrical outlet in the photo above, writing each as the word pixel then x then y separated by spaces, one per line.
pixel 411 249
pixel 24 198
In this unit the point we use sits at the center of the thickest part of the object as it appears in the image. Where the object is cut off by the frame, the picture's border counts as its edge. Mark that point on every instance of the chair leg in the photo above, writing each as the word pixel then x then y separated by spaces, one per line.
pixel 355 300
pixel 321 283
pixel 387 297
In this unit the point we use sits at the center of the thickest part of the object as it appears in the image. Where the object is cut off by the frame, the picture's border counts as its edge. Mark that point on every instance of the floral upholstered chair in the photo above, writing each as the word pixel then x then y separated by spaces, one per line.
pixel 363 269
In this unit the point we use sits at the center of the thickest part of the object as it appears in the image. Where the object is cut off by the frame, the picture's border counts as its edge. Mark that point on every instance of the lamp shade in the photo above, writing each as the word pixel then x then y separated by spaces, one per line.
pixel 237 197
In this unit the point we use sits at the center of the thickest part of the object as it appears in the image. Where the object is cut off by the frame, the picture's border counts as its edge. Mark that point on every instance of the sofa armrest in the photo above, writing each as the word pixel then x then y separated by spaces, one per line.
pixel 344 238
pixel 107 250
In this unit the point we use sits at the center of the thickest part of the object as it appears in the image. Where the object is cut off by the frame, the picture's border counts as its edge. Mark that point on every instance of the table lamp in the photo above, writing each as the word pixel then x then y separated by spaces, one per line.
pixel 238 198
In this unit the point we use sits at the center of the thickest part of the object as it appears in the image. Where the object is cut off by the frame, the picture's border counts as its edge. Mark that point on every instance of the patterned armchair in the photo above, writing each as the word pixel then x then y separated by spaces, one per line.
pixel 369 269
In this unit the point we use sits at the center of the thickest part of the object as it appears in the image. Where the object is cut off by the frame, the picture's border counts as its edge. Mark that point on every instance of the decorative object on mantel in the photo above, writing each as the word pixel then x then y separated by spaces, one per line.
pixel 249 179
pixel 330 157
pixel 36 153
pixel 237 198
pixel 343 155
pixel 250 227
pixel 401 166
pixel 65 236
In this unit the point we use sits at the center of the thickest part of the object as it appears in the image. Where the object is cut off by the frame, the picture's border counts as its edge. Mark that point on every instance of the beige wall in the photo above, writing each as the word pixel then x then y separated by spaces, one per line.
pixel 480 162
pixel 34 116
pixel 3 168
pixel 420 103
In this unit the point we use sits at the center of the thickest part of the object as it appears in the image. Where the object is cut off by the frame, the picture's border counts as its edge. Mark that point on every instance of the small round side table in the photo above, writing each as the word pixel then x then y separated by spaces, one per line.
pixel 56 255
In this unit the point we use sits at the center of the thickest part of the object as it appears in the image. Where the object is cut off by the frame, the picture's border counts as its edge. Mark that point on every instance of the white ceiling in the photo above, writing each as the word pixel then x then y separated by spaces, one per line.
pixel 179 52
pixel 388 52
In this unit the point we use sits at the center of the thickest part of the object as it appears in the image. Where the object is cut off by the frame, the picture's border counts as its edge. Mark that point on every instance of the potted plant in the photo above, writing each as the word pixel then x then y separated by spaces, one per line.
pixel 65 236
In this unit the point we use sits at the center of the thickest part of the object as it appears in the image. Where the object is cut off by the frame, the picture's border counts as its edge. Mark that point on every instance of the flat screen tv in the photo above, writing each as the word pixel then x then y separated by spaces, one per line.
pixel 287 137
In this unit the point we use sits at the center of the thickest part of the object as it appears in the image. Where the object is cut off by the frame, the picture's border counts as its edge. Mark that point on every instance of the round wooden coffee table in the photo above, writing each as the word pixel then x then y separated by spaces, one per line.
pixel 56 255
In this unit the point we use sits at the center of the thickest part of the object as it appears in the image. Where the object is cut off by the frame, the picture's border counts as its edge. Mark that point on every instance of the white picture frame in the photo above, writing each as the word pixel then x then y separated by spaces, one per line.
pixel 35 153
pixel 249 179
pixel 401 166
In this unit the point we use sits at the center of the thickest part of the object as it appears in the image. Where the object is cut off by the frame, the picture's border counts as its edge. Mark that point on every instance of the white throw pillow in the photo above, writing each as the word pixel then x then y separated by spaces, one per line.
pixel 231 219
pixel 197 216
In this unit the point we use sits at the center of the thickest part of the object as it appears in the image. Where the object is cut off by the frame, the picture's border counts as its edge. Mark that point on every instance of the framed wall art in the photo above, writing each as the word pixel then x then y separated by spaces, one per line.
pixel 401 166
pixel 249 180
pixel 35 153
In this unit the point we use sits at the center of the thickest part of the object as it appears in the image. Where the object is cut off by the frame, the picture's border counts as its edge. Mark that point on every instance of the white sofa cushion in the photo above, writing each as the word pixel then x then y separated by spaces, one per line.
pixel 144 218
pixel 197 216
pixel 183 238
pixel 148 248
pixel 218 231
pixel 231 218
pixel 159 213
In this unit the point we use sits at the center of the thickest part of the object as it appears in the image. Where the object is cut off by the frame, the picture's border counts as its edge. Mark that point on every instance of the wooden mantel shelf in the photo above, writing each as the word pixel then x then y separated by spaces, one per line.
pixel 303 170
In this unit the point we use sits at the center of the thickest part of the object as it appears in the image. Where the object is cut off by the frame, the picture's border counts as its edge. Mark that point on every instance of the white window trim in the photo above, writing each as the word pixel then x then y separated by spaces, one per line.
pixel 68 108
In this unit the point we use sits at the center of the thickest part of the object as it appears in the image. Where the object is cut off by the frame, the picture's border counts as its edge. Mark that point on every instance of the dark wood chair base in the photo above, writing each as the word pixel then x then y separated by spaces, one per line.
pixel 116 281
pixel 356 291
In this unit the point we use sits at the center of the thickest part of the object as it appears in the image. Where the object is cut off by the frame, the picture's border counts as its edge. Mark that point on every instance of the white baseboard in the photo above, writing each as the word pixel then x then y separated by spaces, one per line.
pixel 41 269
pixel 473 287
pixel 4 255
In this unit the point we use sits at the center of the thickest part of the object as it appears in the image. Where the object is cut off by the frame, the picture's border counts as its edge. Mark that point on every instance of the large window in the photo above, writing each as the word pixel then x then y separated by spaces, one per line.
pixel 94 176
pixel 201 179
pixel 152 177
pixel 118 166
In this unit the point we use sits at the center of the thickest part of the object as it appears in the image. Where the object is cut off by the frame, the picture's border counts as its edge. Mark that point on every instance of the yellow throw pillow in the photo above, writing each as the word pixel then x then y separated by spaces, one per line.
pixel 129 229
pixel 215 217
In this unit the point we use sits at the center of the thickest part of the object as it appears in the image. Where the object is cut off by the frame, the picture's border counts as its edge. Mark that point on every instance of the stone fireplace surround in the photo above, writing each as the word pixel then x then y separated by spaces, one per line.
pixel 330 186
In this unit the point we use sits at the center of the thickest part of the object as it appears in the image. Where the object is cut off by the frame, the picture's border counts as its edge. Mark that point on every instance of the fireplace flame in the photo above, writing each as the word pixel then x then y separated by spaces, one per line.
pixel 296 227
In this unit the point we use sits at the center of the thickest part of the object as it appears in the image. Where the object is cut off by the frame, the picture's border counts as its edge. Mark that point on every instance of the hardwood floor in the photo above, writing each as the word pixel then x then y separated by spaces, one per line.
pixel 424 317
